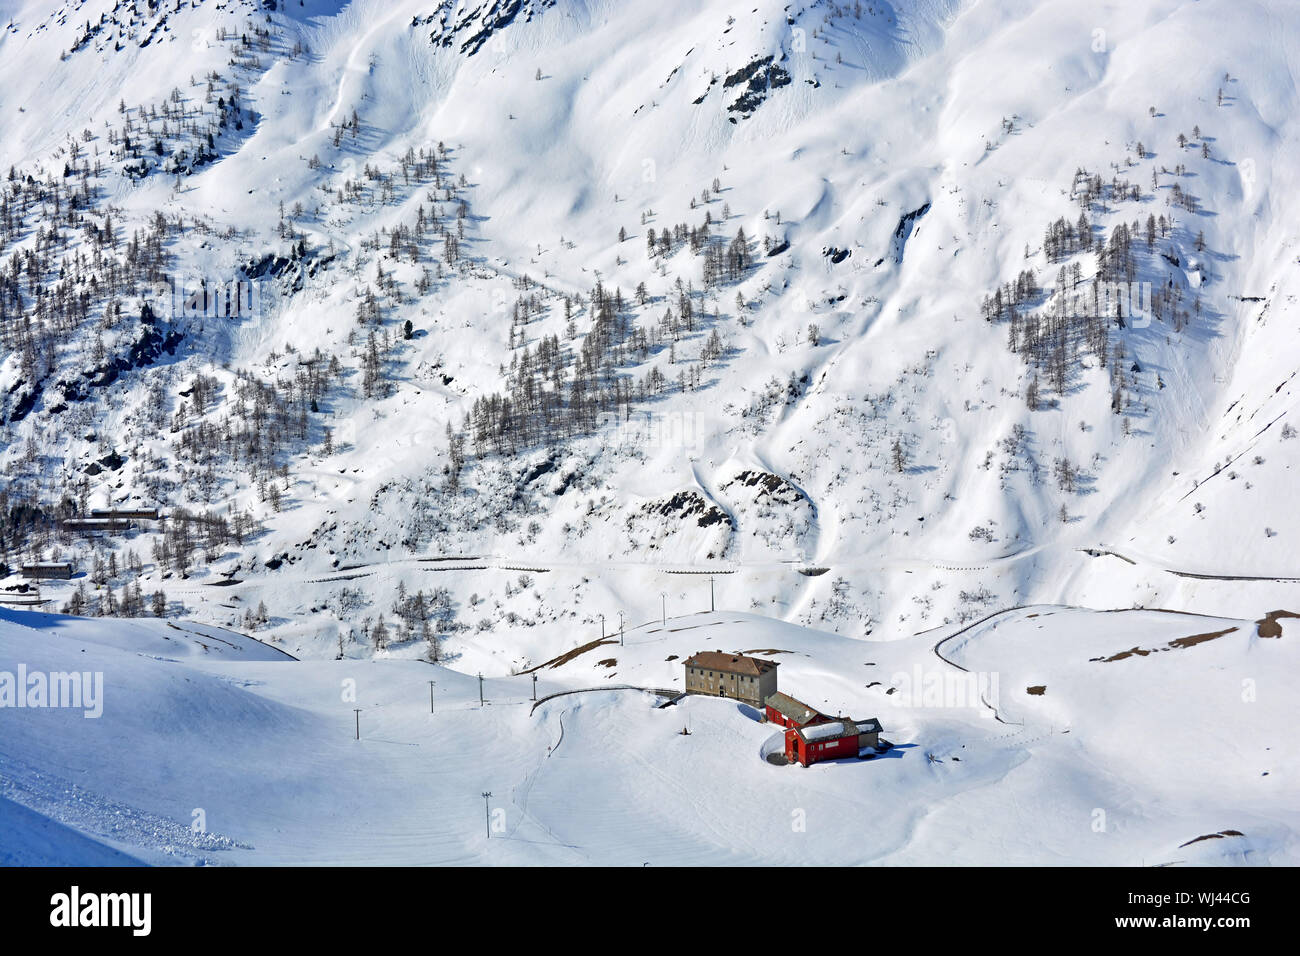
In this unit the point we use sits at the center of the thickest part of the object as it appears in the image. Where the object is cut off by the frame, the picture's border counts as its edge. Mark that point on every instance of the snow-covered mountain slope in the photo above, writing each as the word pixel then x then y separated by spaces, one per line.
pixel 472 330
pixel 1094 756
pixel 833 390
pixel 170 640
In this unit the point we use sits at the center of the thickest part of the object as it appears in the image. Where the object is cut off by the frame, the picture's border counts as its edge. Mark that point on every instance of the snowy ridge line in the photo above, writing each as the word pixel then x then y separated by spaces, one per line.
pixel 1199 575
pixel 1232 577
pixel 657 691
pixel 968 627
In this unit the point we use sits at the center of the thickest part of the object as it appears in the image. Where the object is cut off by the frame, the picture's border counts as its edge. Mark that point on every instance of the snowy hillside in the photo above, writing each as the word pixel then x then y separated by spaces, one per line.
pixel 265 756
pixel 390 333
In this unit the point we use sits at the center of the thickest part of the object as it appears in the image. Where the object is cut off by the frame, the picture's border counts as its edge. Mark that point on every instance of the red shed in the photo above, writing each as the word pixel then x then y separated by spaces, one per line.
pixel 784 711
pixel 830 740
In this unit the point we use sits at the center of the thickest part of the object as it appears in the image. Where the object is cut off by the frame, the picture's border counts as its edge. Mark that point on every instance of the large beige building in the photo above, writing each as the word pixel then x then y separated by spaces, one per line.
pixel 718 674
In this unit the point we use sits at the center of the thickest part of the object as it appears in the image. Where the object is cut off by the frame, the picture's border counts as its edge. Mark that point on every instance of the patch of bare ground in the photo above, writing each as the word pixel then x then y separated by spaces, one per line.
pixel 1268 626
pixel 1131 652
pixel 607 662
pixel 1212 836
pixel 1191 641
pixel 1038 690
pixel 766 650
pixel 1199 638
pixel 569 655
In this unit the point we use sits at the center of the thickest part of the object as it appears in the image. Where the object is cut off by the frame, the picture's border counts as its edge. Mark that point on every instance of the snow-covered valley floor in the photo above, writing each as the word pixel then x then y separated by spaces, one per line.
pixel 215 750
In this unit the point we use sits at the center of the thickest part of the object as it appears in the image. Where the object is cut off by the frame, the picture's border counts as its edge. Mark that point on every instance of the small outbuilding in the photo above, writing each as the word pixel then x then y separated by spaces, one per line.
pixel 785 711
pixel 136 514
pixel 47 571
pixel 837 737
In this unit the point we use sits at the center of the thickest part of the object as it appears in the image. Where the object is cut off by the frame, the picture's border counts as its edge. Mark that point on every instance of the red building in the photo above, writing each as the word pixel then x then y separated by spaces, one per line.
pixel 830 740
pixel 784 711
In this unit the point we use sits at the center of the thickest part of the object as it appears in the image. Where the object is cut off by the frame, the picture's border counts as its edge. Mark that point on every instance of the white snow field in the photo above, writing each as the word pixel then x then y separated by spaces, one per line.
pixel 1121 762
pixel 965 307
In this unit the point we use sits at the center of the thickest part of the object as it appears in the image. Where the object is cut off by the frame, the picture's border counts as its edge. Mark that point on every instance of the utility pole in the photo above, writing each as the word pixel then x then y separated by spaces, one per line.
pixel 620 628
pixel 711 605
pixel 480 688
pixel 663 596
pixel 487 812
pixel 534 687
pixel 602 627
pixel 357 711
pixel 431 697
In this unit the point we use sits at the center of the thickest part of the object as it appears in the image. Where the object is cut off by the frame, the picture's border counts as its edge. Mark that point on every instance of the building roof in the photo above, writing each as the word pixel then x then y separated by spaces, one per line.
pixel 729 663
pixel 869 726
pixel 831 730
pixel 838 729
pixel 787 706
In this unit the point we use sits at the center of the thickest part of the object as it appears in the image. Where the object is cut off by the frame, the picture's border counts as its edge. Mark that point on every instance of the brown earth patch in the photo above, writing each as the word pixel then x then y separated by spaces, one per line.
pixel 1268 625
pixel 1131 652
pixel 1199 638
pixel 1212 836
pixel 1191 641
pixel 1038 690
pixel 569 655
